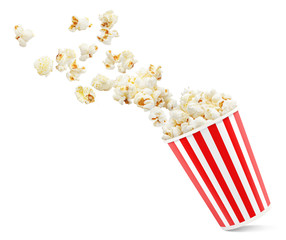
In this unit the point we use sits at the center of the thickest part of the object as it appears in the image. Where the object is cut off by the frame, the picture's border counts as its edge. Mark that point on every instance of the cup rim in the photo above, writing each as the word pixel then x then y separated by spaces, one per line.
pixel 202 127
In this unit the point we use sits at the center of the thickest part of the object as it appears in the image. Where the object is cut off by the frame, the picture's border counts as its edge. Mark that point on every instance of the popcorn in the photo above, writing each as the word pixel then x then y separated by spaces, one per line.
pixel 126 61
pixel 195 110
pixel 107 35
pixel 179 116
pixel 228 105
pixel 23 36
pixel 171 104
pixel 102 83
pixel 87 51
pixel 79 24
pixel 111 60
pixel 108 19
pixel 75 71
pixel 171 132
pixel 148 82
pixel 124 89
pixel 158 116
pixel 44 66
pixel 211 114
pixel 150 72
pixel 85 94
pixel 144 99
pixel 64 58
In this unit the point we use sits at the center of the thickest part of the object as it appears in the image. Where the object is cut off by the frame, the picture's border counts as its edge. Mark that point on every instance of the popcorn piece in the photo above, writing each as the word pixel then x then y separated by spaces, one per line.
pixel 148 82
pixel 198 122
pixel 79 24
pixel 124 89
pixel 150 72
pixel 211 114
pixel 171 132
pixel 108 19
pixel 144 99
pixel 23 35
pixel 44 66
pixel 102 83
pixel 195 110
pixel 107 35
pixel 179 116
pixel 64 58
pixel 228 105
pixel 158 116
pixel 111 60
pixel 126 61
pixel 75 71
pixel 85 94
pixel 87 51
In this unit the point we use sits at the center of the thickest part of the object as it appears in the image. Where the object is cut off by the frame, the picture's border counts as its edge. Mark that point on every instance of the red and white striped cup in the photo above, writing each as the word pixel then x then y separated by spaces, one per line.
pixel 219 160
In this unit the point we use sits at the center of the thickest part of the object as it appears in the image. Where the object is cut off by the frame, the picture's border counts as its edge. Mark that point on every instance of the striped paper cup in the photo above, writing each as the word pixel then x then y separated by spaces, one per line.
pixel 219 161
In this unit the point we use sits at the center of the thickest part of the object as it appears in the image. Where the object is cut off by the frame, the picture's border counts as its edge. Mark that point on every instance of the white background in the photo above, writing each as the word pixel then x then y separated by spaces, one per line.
pixel 101 171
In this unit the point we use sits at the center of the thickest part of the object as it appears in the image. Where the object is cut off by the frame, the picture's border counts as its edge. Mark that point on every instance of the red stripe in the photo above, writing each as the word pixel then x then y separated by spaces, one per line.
pixel 251 155
pixel 230 167
pixel 195 182
pixel 208 156
pixel 206 179
pixel 243 163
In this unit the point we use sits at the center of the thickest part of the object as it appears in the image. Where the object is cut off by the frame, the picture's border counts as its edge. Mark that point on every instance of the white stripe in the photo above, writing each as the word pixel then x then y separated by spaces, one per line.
pixel 200 180
pixel 238 167
pixel 220 163
pixel 212 177
pixel 247 159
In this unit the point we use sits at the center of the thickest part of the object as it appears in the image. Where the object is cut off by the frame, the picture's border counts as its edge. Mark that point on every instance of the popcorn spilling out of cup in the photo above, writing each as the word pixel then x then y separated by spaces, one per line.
pixel 194 108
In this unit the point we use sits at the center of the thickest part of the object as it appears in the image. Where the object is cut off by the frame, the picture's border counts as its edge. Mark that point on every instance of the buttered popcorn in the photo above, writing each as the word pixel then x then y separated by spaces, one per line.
pixel 102 83
pixel 87 51
pixel 79 24
pixel 75 71
pixel 107 35
pixel 108 19
pixel 85 94
pixel 64 58
pixel 124 89
pixel 23 35
pixel 44 66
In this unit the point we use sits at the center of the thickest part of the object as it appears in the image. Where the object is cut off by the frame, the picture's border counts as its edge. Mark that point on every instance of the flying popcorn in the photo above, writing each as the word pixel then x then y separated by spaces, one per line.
pixel 107 35
pixel 44 66
pixel 64 58
pixel 152 71
pixel 124 89
pixel 87 51
pixel 144 99
pixel 23 35
pixel 147 82
pixel 111 60
pixel 108 19
pixel 75 71
pixel 79 24
pixel 158 116
pixel 85 94
pixel 102 83
pixel 126 61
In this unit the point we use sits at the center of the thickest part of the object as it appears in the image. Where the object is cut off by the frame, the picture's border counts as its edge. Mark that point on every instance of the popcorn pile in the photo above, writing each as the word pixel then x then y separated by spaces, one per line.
pixel 195 108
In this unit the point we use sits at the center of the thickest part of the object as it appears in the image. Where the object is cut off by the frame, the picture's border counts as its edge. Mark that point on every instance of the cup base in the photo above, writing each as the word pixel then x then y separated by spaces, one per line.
pixel 247 221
